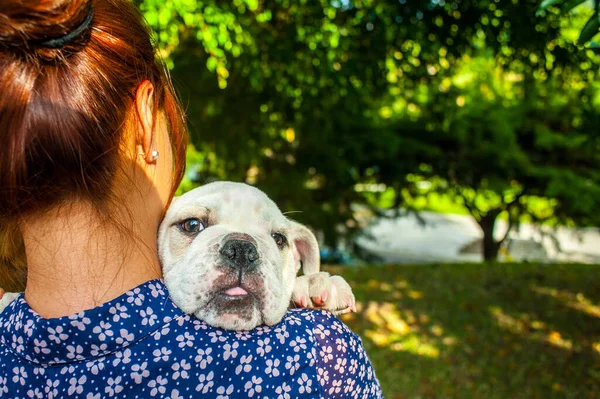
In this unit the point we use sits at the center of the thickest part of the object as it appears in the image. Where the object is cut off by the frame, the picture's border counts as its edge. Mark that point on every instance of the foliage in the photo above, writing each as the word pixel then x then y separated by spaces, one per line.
pixel 326 104
pixel 591 27
pixel 471 331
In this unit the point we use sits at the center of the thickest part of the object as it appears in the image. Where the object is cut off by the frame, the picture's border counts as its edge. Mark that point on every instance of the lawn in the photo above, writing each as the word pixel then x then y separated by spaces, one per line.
pixel 480 331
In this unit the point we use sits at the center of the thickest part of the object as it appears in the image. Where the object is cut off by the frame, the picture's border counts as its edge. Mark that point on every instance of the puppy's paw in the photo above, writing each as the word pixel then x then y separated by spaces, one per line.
pixel 322 291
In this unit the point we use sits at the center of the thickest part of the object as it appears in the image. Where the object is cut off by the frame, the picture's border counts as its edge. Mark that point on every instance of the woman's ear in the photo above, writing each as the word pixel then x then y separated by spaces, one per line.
pixel 306 249
pixel 144 107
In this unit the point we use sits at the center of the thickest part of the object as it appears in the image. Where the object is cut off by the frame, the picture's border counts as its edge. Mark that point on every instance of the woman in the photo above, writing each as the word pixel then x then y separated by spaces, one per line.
pixel 93 147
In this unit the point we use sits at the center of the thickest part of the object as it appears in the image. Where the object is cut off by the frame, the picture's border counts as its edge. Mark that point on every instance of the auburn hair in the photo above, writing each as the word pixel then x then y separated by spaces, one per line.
pixel 63 110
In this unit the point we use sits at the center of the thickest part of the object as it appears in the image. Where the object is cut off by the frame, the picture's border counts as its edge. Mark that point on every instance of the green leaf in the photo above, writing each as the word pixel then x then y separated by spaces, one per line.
pixel 547 3
pixel 595 47
pixel 569 5
pixel 565 6
pixel 591 29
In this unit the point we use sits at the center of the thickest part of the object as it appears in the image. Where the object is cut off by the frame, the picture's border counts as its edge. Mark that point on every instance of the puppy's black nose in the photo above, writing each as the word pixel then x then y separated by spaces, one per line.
pixel 239 253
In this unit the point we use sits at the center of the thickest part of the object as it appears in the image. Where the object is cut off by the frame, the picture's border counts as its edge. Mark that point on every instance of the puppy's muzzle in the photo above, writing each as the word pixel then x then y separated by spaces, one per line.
pixel 240 255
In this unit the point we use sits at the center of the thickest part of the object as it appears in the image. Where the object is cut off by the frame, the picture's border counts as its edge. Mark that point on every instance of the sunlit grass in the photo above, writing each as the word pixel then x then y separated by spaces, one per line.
pixel 480 331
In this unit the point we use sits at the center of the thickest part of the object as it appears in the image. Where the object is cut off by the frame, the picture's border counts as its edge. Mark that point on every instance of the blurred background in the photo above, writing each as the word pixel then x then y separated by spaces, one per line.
pixel 446 153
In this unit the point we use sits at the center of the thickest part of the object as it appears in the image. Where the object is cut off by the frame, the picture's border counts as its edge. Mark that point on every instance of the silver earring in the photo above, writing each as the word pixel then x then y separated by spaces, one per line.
pixel 154 156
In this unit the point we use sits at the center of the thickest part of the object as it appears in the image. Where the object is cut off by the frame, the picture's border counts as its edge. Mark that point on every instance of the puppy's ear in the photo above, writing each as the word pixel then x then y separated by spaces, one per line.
pixel 306 249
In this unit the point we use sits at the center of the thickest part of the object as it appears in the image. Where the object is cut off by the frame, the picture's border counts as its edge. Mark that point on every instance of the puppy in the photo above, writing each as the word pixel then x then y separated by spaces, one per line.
pixel 230 257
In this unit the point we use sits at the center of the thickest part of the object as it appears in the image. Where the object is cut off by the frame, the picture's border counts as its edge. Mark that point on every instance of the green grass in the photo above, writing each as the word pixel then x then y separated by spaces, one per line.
pixel 480 331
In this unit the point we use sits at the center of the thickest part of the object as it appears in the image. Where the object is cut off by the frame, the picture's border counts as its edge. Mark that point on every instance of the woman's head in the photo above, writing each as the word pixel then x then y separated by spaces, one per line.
pixel 74 114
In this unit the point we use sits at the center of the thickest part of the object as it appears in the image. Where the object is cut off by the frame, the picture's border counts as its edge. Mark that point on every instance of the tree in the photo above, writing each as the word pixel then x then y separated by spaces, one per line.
pixel 310 100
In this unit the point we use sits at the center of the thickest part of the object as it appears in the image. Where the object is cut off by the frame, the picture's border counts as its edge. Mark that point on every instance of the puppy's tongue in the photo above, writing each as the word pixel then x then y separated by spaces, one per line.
pixel 236 291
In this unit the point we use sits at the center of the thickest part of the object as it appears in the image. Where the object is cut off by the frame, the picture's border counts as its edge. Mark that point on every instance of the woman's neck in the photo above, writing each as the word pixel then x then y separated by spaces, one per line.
pixel 75 263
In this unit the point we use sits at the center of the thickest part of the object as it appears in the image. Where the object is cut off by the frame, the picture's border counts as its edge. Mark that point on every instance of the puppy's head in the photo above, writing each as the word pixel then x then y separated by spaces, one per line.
pixel 230 257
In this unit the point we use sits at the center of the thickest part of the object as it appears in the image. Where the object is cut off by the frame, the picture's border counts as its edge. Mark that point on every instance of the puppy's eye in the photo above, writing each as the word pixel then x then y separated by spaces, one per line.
pixel 280 239
pixel 192 226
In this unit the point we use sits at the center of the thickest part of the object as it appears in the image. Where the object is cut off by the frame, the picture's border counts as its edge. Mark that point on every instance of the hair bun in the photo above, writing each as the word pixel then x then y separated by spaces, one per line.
pixel 27 25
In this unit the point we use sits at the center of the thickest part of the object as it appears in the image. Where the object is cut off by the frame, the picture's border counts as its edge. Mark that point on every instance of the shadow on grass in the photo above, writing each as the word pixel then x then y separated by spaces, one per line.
pixel 480 331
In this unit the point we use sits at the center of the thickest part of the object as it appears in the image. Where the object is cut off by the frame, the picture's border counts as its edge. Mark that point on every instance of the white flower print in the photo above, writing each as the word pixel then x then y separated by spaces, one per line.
pixel 135 297
pixel 292 364
pixel 272 369
pixel 19 375
pixel 217 336
pixel 204 358
pixel 340 365
pixel 349 386
pixel 322 332
pixel 161 354
pixel 353 366
pixel 305 384
pixel 224 393
pixel 149 318
pixel 80 321
pixel 156 290
pixel 282 334
pixel 185 340
pixel 362 371
pixel 3 387
pixel 322 376
pixel 34 393
pixel 230 350
pixel 326 353
pixel 244 364
pixel 139 372
pixel 103 330
pixel 95 366
pixel 119 312
pixel 74 351
pixel 17 344
pixel 51 388
pixel 122 356
pixel 341 345
pixel 41 346
pixel 163 331
pixel 113 387
pixel 263 346
pixel 70 369
pixel 181 370
pixel 336 387
pixel 206 382
pixel 242 335
pixel 293 320
pixel 156 350
pixel 253 386
pixel 298 344
pixel 77 385
pixel 28 328
pixel 98 350
pixel 124 336
pixel 158 386
pixel 57 335
pixel 283 390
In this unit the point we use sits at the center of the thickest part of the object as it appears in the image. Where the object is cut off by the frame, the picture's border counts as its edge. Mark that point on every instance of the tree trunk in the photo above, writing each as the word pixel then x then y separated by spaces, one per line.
pixel 490 245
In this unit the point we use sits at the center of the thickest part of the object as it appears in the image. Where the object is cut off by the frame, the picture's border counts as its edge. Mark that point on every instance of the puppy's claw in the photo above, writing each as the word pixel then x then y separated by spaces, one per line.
pixel 318 301
pixel 304 301
pixel 340 312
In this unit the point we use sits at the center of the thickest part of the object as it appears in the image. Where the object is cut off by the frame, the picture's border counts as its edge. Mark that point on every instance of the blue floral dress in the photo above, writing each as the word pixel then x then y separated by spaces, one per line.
pixel 141 345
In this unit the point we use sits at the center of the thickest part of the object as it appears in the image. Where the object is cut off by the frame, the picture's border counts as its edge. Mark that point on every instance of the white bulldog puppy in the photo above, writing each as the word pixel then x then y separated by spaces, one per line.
pixel 230 257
